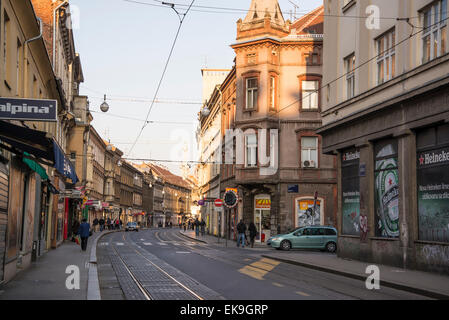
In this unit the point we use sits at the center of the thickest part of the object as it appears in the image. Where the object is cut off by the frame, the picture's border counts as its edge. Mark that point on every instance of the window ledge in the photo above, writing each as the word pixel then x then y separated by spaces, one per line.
pixel 348 6
pixel 310 110
pixel 432 242
pixel 250 110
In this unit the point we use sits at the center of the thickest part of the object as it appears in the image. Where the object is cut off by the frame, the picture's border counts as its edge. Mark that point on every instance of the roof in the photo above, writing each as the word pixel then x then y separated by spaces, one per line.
pixel 310 23
pixel 165 174
pixel 260 8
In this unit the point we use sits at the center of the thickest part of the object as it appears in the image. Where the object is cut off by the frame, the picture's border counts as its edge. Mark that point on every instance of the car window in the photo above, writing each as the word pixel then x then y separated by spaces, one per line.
pixel 321 231
pixel 315 232
pixel 298 232
pixel 330 232
pixel 306 232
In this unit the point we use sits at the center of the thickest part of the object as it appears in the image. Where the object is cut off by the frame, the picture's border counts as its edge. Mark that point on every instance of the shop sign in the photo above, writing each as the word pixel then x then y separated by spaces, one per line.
pixel 28 109
pixel 293 188
pixel 263 203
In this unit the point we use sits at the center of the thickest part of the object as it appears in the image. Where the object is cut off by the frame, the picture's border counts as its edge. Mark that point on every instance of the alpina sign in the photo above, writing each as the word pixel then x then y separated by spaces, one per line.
pixel 28 109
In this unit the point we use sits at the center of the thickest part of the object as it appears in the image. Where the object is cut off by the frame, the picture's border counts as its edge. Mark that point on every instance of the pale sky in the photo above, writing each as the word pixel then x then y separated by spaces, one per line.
pixel 123 48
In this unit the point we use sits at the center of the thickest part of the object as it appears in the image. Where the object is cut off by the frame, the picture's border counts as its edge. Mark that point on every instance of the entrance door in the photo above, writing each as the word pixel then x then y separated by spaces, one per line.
pixel 262 222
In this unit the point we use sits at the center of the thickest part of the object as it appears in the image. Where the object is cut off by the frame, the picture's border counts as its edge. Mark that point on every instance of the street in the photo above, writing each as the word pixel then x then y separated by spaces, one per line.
pixel 163 264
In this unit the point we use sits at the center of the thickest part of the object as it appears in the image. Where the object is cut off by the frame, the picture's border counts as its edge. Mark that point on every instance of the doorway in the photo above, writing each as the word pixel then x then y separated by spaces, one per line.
pixel 262 222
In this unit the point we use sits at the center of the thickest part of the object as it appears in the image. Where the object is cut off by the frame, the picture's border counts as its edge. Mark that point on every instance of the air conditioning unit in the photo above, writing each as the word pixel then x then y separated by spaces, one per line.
pixel 308 164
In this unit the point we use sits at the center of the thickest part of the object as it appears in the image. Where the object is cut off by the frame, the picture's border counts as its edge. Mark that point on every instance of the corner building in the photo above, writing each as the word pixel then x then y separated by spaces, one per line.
pixel 278 73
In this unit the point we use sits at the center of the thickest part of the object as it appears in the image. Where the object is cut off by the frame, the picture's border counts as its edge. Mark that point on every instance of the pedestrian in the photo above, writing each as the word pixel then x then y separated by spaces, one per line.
pixel 203 227
pixel 95 223
pixel 252 233
pixel 189 225
pixel 84 232
pixel 197 227
pixel 117 224
pixel 121 224
pixel 171 224
pixel 241 229
pixel 75 228
pixel 185 226
pixel 101 222
pixel 108 221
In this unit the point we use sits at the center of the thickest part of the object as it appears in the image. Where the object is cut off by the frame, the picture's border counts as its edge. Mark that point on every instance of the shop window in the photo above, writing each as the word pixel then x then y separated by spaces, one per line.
pixel 308 212
pixel 386 189
pixel 433 183
pixel 350 198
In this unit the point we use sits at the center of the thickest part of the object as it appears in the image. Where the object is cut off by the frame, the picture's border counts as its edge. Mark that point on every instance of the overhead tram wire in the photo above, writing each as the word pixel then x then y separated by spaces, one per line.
pixel 136 119
pixel 181 20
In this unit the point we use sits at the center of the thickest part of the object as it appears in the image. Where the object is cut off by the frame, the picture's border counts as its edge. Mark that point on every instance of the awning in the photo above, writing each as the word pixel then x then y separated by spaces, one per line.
pixel 27 140
pixel 36 167
pixel 36 143
pixel 62 164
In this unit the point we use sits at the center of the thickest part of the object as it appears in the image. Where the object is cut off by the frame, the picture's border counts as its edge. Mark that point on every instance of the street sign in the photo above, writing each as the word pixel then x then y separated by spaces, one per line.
pixel 218 203
pixel 231 199
pixel 201 202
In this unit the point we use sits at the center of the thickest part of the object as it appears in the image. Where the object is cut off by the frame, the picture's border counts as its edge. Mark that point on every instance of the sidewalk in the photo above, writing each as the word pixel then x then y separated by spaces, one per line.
pixel 215 240
pixel 419 282
pixel 45 279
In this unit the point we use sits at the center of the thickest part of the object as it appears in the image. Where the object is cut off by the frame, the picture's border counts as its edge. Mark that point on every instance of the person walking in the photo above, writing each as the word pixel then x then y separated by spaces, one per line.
pixel 121 224
pixel 101 222
pixel 252 233
pixel 84 232
pixel 95 224
pixel 108 222
pixel 75 228
pixel 185 226
pixel 203 227
pixel 197 227
pixel 117 224
pixel 241 229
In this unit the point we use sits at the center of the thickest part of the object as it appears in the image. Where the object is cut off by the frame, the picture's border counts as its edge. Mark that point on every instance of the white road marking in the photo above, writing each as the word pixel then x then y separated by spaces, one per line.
pixel 182 252
pixel 303 294
pixel 119 244
pixel 142 239
pixel 162 244
pixel 147 243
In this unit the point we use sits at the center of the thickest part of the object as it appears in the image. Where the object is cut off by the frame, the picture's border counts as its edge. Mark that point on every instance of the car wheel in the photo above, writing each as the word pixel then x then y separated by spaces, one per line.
pixel 331 247
pixel 286 245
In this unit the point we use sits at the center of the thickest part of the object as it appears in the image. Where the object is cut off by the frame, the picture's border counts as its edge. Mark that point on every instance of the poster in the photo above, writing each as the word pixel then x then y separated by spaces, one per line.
pixel 433 195
pixel 305 214
pixel 350 202
pixel 387 191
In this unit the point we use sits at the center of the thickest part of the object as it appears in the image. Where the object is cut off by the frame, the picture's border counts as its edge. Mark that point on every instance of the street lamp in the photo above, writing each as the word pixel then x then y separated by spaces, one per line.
pixel 104 106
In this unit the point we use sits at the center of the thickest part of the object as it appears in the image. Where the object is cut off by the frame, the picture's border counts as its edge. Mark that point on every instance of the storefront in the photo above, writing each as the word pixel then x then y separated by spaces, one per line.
pixel 262 217
pixel 350 194
pixel 309 211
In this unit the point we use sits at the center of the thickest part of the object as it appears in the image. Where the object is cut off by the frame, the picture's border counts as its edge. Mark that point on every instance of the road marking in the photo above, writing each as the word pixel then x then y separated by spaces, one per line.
pixel 259 268
pixel 162 244
pixel 277 284
pixel 147 243
pixel 302 294
pixel 119 244
pixel 142 239
pixel 103 244
pixel 183 252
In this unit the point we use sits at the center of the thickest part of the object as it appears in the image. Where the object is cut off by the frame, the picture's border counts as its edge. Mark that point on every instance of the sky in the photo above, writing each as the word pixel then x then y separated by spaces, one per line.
pixel 124 47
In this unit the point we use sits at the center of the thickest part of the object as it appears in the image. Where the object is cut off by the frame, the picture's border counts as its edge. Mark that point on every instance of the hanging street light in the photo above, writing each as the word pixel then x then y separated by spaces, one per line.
pixel 104 106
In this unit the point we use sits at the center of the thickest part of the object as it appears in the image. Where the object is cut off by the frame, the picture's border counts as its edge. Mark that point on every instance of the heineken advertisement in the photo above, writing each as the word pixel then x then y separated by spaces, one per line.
pixel 350 202
pixel 387 193
pixel 433 195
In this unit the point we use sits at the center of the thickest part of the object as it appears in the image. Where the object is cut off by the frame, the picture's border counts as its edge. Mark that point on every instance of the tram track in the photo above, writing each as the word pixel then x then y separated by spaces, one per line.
pixel 146 293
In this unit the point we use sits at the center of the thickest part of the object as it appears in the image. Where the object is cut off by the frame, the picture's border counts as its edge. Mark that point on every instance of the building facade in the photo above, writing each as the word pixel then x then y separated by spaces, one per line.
pixel 283 179
pixel 386 119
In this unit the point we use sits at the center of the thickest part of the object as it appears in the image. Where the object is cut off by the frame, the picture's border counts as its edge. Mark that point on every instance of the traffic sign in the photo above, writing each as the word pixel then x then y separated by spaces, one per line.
pixel 218 203
pixel 201 202
pixel 231 199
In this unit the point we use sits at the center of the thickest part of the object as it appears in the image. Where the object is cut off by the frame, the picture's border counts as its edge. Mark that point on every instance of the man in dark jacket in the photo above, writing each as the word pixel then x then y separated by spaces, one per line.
pixel 95 224
pixel 84 231
pixel 197 227
pixel 252 233
pixel 241 229
pixel 101 222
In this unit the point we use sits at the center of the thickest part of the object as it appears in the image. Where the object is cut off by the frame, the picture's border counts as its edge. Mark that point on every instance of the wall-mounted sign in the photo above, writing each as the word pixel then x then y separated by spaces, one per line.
pixel 28 109
pixel 293 188
pixel 263 203
pixel 231 199
pixel 362 170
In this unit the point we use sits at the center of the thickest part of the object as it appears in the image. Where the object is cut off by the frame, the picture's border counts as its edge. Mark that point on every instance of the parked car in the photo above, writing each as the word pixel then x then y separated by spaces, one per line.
pixel 311 237
pixel 132 226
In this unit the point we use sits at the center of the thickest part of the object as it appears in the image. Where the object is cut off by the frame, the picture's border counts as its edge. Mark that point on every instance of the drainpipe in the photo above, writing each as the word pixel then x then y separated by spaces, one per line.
pixel 25 55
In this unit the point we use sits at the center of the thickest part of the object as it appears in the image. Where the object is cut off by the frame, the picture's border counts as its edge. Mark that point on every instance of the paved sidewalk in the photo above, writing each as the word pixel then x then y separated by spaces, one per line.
pixel 45 279
pixel 217 241
pixel 419 282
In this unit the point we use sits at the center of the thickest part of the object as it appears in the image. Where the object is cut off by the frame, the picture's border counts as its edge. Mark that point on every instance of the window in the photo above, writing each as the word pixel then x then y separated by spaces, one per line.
pixel 309 152
pixel 434 36
pixel 251 93
pixel 272 93
pixel 251 150
pixel 310 94
pixel 386 57
pixel 273 149
pixel 330 232
pixel 6 56
pixel 350 76
pixel 18 67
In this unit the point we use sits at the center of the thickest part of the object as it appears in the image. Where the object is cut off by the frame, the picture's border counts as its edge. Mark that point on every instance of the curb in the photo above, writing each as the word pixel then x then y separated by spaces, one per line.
pixel 93 284
pixel 192 238
pixel 390 284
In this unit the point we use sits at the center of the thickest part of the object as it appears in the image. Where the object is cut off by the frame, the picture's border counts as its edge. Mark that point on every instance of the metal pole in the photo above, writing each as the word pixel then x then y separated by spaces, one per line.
pixel 226 235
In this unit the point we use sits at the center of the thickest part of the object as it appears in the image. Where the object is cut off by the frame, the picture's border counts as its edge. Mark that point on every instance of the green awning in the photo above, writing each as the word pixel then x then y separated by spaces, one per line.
pixel 36 167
